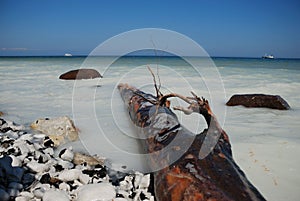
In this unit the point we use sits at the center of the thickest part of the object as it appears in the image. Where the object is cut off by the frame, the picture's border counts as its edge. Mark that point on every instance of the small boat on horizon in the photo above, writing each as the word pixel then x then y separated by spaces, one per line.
pixel 68 55
pixel 268 56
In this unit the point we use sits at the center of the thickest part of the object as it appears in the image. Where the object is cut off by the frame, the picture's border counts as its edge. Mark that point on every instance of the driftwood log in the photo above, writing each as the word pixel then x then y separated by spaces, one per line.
pixel 192 175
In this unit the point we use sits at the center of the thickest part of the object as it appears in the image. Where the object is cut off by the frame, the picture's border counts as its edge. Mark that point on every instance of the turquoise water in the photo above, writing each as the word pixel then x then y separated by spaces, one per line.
pixel 265 142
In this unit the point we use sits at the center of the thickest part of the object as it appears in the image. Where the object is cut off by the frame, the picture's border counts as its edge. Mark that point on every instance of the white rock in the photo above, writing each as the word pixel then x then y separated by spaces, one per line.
pixel 23 157
pixel 65 164
pixel 26 194
pixel 69 175
pixel 38 193
pixel 39 136
pixel 55 195
pixel 38 167
pixel 37 146
pixel 77 183
pixel 49 151
pixel 22 198
pixel 12 134
pixel 101 191
pixel 25 137
pixel 64 186
pixel 120 199
pixel 16 162
pixel 84 178
pixel 144 182
pixel 15 127
pixel 126 184
pixel 22 145
pixel 67 154
pixel 137 179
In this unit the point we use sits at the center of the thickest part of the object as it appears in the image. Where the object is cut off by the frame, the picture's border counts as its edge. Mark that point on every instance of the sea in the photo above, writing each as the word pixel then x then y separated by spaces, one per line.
pixel 265 142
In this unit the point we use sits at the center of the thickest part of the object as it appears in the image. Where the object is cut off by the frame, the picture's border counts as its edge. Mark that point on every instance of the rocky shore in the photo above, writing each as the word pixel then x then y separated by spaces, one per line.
pixel 32 168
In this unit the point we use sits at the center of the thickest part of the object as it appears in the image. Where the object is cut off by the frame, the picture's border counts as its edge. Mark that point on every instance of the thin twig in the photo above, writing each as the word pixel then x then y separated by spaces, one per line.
pixel 157 72
pixel 158 93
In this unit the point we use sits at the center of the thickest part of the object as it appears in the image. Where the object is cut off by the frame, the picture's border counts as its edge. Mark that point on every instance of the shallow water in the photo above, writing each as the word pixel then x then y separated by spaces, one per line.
pixel 265 142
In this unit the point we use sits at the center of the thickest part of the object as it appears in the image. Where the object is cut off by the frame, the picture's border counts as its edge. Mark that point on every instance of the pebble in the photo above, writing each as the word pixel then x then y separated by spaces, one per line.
pixel 67 154
pixel 58 129
pixel 101 191
pixel 30 170
pixel 55 195
pixel 4 195
pixel 69 175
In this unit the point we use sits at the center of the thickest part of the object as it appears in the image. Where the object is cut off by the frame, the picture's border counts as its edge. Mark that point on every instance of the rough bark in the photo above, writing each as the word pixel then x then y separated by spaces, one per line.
pixel 191 176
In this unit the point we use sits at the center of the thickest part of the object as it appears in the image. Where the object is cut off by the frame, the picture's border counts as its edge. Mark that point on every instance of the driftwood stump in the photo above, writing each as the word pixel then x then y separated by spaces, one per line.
pixel 190 176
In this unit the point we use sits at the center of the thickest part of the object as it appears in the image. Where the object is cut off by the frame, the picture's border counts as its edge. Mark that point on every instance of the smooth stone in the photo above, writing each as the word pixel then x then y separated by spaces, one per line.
pixel 90 160
pixel 120 199
pixel 65 164
pixel 4 195
pixel 22 198
pixel 57 129
pixel 55 195
pixel 100 191
pixel 15 161
pixel 84 178
pixel 259 100
pixel 64 186
pixel 15 185
pixel 26 194
pixel 16 174
pixel 80 74
pixel 28 179
pixel 69 175
pixel 38 167
pixel 5 162
pixel 38 193
pixel 67 154
pixel 13 192
pixel 142 181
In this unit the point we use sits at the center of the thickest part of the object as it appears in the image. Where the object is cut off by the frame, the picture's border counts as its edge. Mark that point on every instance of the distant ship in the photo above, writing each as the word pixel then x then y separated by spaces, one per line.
pixel 68 55
pixel 268 56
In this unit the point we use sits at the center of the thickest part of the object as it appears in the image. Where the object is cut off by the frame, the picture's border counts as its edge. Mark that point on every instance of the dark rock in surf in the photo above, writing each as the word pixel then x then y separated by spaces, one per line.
pixel 259 100
pixel 80 74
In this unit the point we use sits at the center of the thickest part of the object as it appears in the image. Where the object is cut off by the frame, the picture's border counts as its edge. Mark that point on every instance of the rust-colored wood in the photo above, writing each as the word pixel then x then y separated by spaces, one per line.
pixel 190 177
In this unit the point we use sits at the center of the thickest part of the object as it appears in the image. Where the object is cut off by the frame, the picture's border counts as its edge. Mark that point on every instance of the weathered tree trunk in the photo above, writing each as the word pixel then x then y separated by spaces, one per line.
pixel 182 173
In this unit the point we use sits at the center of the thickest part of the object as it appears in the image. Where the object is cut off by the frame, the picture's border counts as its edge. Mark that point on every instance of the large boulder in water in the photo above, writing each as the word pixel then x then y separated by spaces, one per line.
pixel 80 74
pixel 259 100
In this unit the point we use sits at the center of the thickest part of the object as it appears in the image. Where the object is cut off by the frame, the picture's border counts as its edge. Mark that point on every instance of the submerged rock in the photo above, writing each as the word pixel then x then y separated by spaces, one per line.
pixel 80 74
pixel 259 100
pixel 58 129
pixel 80 158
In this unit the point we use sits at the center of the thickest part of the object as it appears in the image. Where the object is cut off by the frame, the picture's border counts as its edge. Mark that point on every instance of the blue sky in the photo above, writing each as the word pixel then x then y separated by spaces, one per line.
pixel 223 28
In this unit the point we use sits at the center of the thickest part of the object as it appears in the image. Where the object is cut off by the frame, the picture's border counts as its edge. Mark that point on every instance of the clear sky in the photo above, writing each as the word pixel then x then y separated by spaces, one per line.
pixel 223 28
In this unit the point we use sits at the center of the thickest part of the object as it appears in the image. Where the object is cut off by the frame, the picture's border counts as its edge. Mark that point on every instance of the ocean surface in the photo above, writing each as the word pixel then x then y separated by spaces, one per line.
pixel 265 142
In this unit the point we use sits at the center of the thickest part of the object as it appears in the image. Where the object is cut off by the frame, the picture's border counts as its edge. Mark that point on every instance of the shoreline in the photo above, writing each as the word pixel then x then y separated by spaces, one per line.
pixel 62 173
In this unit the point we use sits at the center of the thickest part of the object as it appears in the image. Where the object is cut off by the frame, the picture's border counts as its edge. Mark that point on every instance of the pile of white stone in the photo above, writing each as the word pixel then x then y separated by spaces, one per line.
pixel 31 169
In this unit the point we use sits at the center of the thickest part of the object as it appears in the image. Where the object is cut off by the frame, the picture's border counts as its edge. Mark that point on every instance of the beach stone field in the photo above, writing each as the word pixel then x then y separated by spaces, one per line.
pixel 32 167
